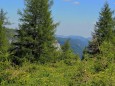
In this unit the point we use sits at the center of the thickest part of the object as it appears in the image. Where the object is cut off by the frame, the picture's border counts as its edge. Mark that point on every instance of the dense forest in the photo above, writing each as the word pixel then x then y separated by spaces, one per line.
pixel 29 55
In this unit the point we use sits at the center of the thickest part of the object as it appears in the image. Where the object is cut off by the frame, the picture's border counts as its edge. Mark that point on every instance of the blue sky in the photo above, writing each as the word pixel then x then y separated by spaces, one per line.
pixel 76 17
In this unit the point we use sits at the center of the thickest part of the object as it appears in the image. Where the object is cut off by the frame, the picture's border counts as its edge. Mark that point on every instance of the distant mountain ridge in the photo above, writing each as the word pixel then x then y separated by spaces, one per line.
pixel 78 43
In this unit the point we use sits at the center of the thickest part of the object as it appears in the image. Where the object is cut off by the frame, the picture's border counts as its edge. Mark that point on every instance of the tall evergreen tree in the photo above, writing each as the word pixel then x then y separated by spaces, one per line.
pixel 66 47
pixel 103 29
pixel 67 52
pixel 105 25
pixel 3 38
pixel 36 33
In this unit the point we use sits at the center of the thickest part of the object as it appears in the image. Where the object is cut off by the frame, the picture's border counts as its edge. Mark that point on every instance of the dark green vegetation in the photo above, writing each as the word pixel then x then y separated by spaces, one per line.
pixel 30 58
pixel 4 45
pixel 35 36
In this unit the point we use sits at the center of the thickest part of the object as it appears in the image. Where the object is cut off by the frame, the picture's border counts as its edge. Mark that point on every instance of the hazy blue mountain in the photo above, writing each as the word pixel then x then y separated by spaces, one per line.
pixel 77 43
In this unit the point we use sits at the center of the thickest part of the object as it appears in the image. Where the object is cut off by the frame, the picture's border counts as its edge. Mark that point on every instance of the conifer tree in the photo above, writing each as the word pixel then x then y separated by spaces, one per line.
pixel 67 51
pixel 66 46
pixel 3 38
pixel 103 29
pixel 36 31
pixel 105 25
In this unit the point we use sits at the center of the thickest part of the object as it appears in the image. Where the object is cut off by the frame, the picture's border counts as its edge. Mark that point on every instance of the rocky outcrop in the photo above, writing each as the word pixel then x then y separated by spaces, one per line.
pixel 57 46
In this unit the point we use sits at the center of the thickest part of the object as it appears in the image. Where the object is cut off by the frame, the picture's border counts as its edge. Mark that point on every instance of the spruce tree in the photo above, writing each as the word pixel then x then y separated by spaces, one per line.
pixel 66 47
pixel 36 31
pixel 103 29
pixel 67 52
pixel 105 25
pixel 3 38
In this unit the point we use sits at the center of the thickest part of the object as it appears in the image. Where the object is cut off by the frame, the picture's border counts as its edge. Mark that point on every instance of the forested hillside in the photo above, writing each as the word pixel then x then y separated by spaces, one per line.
pixel 31 58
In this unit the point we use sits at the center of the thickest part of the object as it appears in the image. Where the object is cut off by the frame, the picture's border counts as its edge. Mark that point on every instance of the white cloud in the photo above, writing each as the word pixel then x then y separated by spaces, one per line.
pixel 76 3
pixel 72 1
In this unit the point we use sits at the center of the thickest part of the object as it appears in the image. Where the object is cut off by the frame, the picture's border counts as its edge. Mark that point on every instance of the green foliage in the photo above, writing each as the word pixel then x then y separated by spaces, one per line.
pixel 66 46
pixel 36 74
pixel 50 57
pixel 105 25
pixel 36 33
pixel 4 45
pixel 3 18
pixel 67 52
pixel 103 29
pixel 3 38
